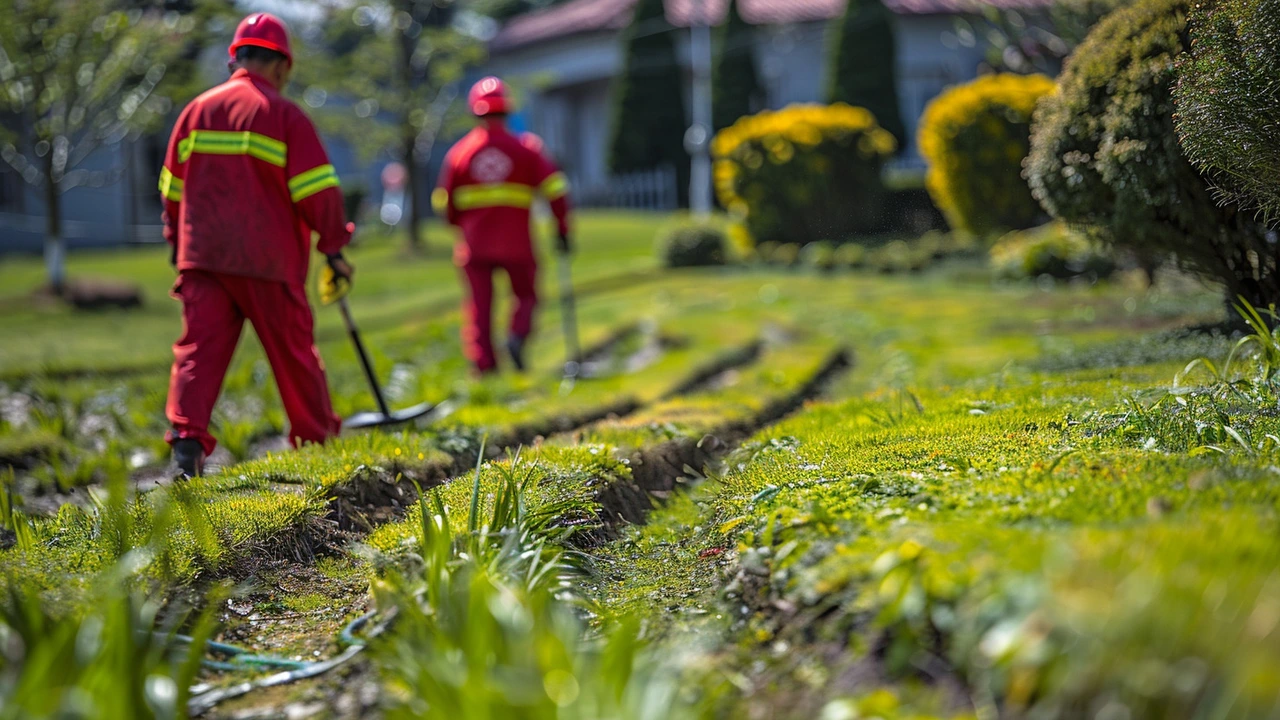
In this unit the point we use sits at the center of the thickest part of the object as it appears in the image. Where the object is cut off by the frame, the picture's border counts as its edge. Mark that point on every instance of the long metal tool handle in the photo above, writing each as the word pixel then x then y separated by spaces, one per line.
pixel 569 317
pixel 364 357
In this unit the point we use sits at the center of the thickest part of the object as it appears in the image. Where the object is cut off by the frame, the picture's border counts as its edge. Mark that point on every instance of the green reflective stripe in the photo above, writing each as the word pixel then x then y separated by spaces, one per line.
pixel 555 186
pixel 304 185
pixel 440 201
pixel 170 186
pixel 220 142
pixel 473 197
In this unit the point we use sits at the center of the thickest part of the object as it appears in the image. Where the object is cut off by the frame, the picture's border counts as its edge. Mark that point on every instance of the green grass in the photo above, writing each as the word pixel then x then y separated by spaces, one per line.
pixel 1050 563
pixel 1002 508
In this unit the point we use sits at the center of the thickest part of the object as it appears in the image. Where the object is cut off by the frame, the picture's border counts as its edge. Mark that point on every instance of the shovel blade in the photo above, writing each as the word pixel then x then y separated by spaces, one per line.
pixel 396 417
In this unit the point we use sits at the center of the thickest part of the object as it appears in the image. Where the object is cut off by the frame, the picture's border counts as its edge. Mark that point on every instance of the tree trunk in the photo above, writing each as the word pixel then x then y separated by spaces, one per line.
pixel 404 61
pixel 412 192
pixel 55 252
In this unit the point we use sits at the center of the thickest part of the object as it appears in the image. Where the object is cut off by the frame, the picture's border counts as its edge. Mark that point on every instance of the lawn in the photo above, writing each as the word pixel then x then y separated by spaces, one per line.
pixel 779 492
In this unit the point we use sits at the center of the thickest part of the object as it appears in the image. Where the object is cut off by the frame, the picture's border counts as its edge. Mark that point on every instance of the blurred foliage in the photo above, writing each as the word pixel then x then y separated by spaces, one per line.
pixel 693 244
pixel 1105 157
pixel 121 654
pixel 647 122
pixel 386 77
pixel 503 10
pixel 863 64
pixel 1054 250
pixel 1019 41
pixel 803 173
pixel 119 650
pixel 79 76
pixel 486 623
pixel 735 84
pixel 1229 103
pixel 975 137
pixel 83 75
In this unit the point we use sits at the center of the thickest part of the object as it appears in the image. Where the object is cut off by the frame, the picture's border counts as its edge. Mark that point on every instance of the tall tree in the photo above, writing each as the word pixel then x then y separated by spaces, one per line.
pixel 863 64
pixel 1040 43
pixel 392 69
pixel 80 75
pixel 736 86
pixel 649 120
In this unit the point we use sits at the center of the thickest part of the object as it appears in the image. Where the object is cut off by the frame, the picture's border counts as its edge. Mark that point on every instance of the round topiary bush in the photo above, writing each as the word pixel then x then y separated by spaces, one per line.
pixel 975 137
pixel 1052 250
pixel 1228 100
pixel 692 245
pixel 819 255
pixel 851 255
pixel 804 173
pixel 1105 157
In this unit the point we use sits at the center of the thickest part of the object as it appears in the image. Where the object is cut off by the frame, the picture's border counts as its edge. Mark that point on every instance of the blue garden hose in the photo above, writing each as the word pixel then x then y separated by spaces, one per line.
pixel 241 659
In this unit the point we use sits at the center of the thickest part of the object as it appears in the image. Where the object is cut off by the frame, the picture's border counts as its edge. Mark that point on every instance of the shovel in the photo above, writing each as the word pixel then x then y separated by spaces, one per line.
pixel 383 416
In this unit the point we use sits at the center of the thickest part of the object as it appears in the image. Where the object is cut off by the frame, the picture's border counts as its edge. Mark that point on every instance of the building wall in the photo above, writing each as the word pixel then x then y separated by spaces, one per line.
pixel 90 216
pixel 566 83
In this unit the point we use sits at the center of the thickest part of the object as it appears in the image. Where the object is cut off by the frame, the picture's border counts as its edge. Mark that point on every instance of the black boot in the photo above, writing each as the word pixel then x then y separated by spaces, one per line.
pixel 189 455
pixel 515 347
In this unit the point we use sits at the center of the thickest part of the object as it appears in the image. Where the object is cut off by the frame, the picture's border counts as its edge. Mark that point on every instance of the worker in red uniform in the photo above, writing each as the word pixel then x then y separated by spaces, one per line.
pixel 246 182
pixel 487 187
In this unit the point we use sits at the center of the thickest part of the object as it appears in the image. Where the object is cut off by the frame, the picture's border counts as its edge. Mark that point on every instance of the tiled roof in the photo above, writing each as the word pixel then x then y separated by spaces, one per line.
pixel 584 16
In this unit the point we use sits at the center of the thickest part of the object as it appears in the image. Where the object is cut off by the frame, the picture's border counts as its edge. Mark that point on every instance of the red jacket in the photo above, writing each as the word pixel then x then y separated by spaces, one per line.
pixel 246 181
pixel 487 187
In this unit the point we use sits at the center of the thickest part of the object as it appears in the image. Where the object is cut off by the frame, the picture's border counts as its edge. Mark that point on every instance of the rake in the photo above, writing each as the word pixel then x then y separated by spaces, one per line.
pixel 333 290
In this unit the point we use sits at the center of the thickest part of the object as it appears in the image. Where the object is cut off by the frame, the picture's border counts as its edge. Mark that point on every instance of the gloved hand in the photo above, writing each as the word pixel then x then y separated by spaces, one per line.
pixel 340 267
pixel 334 281
pixel 565 246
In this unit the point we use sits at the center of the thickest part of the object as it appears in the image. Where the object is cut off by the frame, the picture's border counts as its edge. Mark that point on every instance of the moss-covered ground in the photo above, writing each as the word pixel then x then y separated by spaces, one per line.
pixel 816 495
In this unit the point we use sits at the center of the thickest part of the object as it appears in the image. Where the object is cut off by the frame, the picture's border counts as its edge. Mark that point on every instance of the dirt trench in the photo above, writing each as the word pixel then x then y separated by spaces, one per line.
pixel 658 470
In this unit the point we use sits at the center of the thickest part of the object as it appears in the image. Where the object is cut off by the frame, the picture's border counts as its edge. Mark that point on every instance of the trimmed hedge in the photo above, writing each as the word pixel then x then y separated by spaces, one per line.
pixel 975 137
pixel 1229 101
pixel 803 173
pixel 1052 250
pixel 692 244
pixel 1105 157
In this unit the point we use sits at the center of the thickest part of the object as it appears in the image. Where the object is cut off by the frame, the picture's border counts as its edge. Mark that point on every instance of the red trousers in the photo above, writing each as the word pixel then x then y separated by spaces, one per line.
pixel 214 308
pixel 477 330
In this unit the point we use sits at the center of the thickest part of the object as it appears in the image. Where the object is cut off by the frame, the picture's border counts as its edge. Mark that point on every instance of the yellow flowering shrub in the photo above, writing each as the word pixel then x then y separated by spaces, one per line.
pixel 803 173
pixel 975 137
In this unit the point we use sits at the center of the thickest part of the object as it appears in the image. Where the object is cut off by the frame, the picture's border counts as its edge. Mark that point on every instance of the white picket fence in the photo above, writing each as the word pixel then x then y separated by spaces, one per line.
pixel 647 190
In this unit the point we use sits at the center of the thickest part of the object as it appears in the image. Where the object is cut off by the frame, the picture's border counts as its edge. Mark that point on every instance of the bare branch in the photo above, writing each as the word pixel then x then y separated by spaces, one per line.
pixel 19 162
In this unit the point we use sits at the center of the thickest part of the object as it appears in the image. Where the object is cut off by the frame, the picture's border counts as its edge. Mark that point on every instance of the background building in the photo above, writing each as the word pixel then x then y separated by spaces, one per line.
pixel 563 60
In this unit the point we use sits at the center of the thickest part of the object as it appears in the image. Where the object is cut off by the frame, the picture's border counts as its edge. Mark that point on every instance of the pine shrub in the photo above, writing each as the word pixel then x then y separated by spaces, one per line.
pixel 1105 157
pixel 734 82
pixel 804 173
pixel 648 99
pixel 1228 100
pixel 975 137
pixel 863 60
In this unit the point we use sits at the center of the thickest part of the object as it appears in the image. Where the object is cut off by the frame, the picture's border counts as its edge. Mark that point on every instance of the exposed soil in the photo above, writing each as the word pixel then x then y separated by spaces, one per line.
pixel 658 470
pixel 709 373
pixel 377 495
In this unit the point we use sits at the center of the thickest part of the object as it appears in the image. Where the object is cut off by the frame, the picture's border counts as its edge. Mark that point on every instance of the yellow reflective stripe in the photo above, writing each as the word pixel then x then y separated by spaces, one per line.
pixel 440 201
pixel 555 186
pixel 473 197
pixel 304 185
pixel 170 186
pixel 221 142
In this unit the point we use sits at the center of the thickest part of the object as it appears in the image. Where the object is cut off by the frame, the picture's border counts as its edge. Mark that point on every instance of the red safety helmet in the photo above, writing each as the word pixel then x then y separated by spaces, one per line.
pixel 488 97
pixel 262 30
